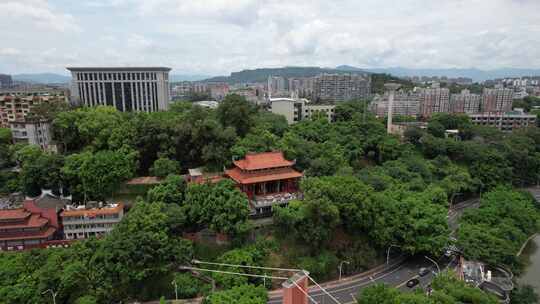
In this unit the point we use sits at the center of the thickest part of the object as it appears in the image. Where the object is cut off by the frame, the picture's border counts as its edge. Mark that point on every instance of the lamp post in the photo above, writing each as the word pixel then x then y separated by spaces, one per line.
pixel 341 266
pixel 175 289
pixel 388 253
pixel 433 261
pixel 53 294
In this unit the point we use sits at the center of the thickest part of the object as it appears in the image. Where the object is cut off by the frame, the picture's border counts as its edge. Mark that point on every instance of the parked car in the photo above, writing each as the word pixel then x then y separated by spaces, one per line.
pixel 423 271
pixel 412 283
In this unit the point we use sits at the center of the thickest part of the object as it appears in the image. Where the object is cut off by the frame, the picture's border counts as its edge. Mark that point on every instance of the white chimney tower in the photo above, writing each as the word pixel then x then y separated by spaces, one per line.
pixel 391 89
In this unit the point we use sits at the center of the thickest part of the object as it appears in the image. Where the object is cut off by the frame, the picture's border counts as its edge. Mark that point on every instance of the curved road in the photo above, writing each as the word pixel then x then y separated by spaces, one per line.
pixel 346 290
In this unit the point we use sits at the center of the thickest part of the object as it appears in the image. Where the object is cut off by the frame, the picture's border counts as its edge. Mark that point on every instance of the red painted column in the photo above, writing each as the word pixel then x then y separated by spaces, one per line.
pixel 296 293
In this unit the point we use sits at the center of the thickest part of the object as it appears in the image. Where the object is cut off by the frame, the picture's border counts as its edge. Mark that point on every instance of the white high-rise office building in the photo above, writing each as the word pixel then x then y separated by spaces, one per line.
pixel 141 89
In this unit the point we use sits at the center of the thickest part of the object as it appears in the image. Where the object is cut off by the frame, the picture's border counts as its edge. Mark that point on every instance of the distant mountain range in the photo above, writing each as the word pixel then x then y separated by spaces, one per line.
pixel 45 78
pixel 475 74
pixel 261 75
pixel 185 77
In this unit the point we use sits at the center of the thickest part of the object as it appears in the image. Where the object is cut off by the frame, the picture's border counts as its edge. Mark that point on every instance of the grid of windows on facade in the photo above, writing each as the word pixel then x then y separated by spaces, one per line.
pixel 143 91
pixel 95 217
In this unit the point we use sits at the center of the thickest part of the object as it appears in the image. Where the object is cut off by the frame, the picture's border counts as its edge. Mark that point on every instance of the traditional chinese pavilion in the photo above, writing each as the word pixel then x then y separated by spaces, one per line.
pixel 267 179
pixel 27 227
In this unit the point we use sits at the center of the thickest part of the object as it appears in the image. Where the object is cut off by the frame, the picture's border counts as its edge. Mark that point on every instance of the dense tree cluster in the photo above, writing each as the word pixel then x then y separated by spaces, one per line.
pixel 220 206
pixel 242 294
pixel 414 220
pixel 361 184
pixel 495 232
pixel 492 157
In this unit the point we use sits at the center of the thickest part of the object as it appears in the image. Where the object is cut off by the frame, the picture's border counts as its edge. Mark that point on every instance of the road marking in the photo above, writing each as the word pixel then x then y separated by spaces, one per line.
pixel 353 297
pixel 364 283
pixel 333 291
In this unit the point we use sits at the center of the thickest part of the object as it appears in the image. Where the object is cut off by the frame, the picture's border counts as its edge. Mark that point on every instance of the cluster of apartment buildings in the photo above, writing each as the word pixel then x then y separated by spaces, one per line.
pixel 437 79
pixel 5 81
pixel 425 102
pixel 493 105
pixel 50 220
pixel 322 88
pixel 214 90
pixel 15 107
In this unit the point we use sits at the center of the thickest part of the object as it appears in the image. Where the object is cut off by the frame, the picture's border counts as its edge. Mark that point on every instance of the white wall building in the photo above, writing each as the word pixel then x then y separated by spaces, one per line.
pixel 81 222
pixel 141 89
pixel 33 132
pixel 507 121
pixel 405 104
pixel 296 110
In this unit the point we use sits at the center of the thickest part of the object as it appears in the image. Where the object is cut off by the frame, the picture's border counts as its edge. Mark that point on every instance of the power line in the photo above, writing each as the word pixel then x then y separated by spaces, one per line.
pixel 321 288
pixel 245 266
pixel 233 273
pixel 304 292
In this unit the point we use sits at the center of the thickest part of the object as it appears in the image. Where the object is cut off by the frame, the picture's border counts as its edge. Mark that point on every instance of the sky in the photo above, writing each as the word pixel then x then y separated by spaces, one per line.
pixel 217 37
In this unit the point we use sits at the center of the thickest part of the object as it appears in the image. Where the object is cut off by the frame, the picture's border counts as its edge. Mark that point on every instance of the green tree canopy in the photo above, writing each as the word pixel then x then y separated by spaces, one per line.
pixel 243 294
pixel 164 166
pixel 237 112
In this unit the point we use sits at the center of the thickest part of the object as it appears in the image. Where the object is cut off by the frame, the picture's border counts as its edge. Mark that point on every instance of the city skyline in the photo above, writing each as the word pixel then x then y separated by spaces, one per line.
pixel 219 37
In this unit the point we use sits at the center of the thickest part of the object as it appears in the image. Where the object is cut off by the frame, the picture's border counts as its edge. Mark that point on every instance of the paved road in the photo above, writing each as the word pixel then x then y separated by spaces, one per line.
pixel 457 210
pixel 535 191
pixel 397 276
pixel 346 292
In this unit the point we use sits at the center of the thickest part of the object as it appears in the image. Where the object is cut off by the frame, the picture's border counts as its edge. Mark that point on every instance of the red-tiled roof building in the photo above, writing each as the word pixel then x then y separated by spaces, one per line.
pixel 267 179
pixel 26 227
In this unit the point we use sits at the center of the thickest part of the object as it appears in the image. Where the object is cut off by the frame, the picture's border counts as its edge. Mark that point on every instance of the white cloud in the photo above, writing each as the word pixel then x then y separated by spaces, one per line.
pixel 36 13
pixel 9 51
pixel 221 36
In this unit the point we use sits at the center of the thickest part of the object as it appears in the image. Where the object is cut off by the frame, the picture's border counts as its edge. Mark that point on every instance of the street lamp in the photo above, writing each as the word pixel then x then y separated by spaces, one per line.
pixel 341 266
pixel 388 253
pixel 175 289
pixel 53 294
pixel 453 196
pixel 433 261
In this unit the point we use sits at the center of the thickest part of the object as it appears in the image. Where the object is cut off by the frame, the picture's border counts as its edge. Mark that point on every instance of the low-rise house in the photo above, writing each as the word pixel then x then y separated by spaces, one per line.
pixel 507 121
pixel 33 132
pixel 298 109
pixel 92 220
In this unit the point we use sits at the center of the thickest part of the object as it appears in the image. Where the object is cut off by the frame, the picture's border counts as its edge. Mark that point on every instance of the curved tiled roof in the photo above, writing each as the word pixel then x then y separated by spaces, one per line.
pixel 249 178
pixel 265 160
pixel 35 221
pixel 14 214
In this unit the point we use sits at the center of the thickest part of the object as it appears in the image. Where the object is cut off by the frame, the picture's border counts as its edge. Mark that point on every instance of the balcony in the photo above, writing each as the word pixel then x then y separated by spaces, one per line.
pixel 273 199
